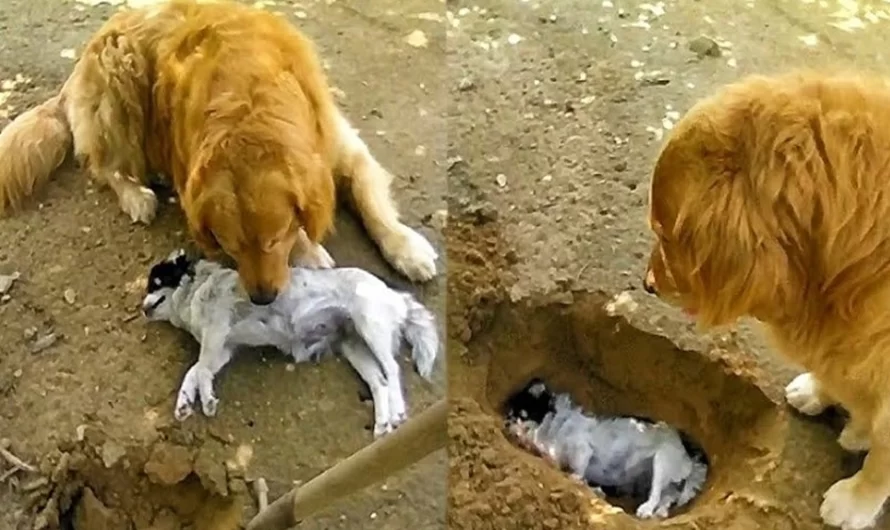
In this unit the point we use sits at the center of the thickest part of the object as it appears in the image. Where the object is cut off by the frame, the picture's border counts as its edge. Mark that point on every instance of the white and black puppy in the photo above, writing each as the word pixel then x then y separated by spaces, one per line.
pixel 345 309
pixel 619 455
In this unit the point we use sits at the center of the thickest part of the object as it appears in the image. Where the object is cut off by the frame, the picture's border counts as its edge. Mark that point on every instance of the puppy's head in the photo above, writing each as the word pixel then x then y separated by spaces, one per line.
pixel 163 279
pixel 256 218
pixel 722 247
pixel 532 403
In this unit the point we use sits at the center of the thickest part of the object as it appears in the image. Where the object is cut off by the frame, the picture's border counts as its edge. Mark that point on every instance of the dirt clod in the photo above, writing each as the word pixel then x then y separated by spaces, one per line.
pixel 168 464
pixel 91 513
pixel 704 46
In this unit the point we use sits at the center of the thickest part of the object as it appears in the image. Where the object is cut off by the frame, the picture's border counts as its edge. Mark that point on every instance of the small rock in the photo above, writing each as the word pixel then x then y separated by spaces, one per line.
pixel 30 333
pixel 417 39
pixel 501 179
pixel 705 47
pixel 111 453
pixel 44 342
pixel 439 220
pixel 466 84
pixel 7 280
pixel 70 296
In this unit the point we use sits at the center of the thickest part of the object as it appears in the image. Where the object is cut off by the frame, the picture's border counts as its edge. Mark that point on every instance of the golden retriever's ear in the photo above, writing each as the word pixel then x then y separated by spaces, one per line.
pixel 198 209
pixel 314 199
pixel 733 261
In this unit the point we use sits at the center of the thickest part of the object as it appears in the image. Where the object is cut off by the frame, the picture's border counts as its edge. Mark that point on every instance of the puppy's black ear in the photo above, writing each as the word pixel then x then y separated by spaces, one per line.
pixel 185 262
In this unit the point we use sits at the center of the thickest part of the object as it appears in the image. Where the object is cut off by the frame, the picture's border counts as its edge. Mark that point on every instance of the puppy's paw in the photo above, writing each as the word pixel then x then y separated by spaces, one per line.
pixel 183 410
pixel 803 394
pixel 398 419
pixel 209 405
pixel 851 439
pixel 140 203
pixel 845 507
pixel 382 429
pixel 410 254
pixel 647 510
pixel 315 257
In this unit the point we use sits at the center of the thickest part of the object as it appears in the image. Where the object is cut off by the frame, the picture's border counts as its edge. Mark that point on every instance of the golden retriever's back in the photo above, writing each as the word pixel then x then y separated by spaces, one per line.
pixel 226 74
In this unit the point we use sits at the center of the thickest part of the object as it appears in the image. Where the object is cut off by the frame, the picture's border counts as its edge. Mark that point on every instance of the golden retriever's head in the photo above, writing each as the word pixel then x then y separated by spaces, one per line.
pixel 724 247
pixel 255 219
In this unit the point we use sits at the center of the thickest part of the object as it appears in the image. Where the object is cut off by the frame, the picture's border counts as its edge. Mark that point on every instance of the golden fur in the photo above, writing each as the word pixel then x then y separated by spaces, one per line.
pixel 231 104
pixel 772 199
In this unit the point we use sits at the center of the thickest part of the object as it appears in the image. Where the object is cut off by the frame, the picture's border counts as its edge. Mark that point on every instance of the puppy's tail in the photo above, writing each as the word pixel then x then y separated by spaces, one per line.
pixel 31 147
pixel 420 331
pixel 694 482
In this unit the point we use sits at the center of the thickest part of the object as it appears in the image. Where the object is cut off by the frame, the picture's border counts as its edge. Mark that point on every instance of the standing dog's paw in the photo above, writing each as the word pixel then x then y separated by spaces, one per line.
pixel 410 254
pixel 844 507
pixel 140 203
pixel 803 394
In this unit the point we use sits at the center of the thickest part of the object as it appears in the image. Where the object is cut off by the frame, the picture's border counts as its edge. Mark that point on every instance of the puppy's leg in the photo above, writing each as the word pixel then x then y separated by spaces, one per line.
pixel 357 354
pixel 369 189
pixel 213 357
pixel 381 341
pixel 806 394
pixel 653 507
pixel 188 393
pixel 855 503
pixel 310 255
pixel 105 101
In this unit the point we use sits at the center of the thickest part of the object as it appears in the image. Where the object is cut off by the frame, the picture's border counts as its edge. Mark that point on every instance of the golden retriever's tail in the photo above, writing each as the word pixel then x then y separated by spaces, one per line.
pixel 31 147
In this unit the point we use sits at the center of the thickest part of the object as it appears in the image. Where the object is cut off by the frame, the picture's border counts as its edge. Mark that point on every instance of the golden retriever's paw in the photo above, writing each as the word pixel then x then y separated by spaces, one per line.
pixel 803 394
pixel 316 257
pixel 853 440
pixel 410 253
pixel 846 508
pixel 140 203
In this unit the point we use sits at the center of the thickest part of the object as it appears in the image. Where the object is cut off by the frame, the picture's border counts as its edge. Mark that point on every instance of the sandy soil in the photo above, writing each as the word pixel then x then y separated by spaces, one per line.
pixel 557 112
pixel 94 409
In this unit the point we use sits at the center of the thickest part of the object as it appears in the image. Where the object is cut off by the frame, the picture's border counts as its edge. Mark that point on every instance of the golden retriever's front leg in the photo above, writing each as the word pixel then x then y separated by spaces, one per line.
pixel 105 100
pixel 369 189
pixel 855 503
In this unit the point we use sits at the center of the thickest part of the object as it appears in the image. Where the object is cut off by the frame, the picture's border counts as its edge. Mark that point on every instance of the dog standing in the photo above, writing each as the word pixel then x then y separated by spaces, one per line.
pixel 344 309
pixel 771 199
pixel 231 103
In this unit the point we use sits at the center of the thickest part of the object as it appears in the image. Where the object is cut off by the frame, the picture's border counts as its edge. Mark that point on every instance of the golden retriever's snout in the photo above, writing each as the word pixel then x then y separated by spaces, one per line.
pixel 263 296
pixel 649 282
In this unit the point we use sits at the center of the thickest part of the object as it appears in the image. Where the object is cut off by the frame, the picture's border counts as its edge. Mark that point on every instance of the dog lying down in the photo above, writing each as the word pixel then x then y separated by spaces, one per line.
pixel 342 309
pixel 618 456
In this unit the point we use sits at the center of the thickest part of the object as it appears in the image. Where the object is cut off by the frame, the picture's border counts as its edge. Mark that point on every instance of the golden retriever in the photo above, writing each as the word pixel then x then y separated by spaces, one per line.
pixel 771 199
pixel 231 103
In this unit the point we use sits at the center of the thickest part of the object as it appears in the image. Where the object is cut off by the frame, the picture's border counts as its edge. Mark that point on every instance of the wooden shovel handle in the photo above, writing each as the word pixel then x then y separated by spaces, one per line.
pixel 418 437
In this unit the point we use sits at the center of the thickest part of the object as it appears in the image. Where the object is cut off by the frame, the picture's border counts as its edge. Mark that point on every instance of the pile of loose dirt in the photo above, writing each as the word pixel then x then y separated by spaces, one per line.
pixel 96 483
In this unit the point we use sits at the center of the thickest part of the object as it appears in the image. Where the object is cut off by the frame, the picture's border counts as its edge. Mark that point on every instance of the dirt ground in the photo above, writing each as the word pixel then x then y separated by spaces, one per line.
pixel 94 408
pixel 557 110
